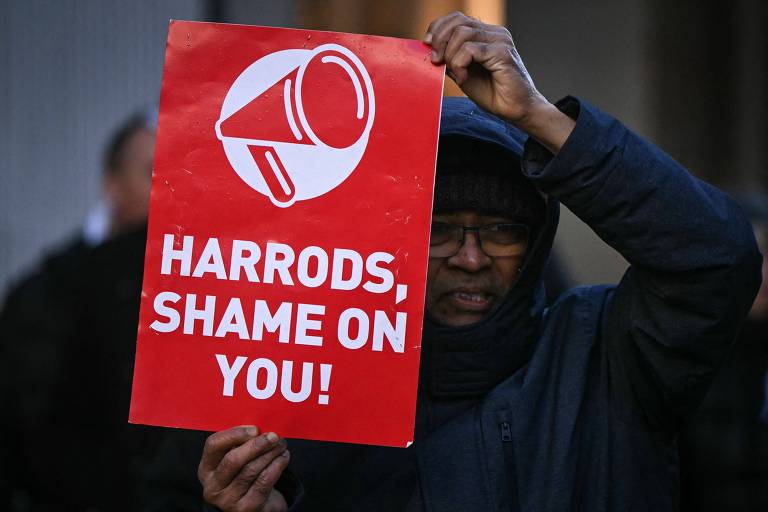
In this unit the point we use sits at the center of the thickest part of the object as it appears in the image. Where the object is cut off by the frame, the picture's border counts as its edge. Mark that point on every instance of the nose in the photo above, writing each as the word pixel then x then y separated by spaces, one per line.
pixel 470 257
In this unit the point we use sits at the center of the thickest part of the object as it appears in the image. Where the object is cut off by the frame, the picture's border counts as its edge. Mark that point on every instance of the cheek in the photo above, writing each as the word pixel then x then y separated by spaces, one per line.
pixel 433 271
pixel 140 188
pixel 764 285
pixel 507 271
pixel 135 197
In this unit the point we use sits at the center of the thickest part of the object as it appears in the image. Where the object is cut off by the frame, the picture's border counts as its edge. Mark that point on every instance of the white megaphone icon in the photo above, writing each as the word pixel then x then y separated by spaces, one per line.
pixel 295 123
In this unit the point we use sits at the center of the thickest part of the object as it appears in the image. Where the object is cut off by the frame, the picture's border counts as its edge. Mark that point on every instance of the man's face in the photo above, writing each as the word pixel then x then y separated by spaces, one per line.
pixel 464 288
pixel 128 186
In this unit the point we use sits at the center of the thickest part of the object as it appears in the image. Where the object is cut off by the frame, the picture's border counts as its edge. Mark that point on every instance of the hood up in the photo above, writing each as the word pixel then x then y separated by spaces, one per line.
pixel 469 361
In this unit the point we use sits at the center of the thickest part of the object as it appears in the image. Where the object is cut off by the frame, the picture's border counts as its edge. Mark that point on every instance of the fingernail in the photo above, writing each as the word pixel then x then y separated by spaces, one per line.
pixel 434 56
pixel 286 453
pixel 252 431
pixel 428 38
pixel 271 437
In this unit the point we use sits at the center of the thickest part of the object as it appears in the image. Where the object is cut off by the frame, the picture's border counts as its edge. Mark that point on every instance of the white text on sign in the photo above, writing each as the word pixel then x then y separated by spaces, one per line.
pixel 287 322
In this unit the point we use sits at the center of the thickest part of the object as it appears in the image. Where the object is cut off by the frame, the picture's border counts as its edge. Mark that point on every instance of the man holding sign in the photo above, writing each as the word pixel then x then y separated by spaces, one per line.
pixel 520 408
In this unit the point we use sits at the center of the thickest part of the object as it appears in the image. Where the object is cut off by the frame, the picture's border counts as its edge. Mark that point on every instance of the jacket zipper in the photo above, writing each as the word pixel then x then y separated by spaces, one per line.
pixel 506 432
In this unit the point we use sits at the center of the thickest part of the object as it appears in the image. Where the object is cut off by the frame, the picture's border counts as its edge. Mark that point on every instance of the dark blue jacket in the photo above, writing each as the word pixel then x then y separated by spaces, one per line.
pixel 575 407
pixel 589 423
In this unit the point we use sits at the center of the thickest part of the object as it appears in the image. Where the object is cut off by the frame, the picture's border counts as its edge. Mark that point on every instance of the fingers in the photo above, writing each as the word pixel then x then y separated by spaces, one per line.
pixel 260 489
pixel 242 465
pixel 437 27
pixel 447 34
pixel 468 52
pixel 218 444
pixel 440 31
pixel 463 35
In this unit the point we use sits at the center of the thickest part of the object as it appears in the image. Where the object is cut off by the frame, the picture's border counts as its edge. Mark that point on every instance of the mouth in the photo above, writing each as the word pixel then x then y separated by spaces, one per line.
pixel 471 300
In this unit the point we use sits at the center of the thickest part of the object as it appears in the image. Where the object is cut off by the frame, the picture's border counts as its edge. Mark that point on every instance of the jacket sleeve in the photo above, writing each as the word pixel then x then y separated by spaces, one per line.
pixel 695 268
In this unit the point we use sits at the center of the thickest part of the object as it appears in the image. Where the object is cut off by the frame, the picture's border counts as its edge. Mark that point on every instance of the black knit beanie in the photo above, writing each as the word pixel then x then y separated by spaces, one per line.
pixel 484 177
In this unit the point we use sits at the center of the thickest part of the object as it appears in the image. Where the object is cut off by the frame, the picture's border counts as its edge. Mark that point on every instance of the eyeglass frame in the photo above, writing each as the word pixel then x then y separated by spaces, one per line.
pixel 477 230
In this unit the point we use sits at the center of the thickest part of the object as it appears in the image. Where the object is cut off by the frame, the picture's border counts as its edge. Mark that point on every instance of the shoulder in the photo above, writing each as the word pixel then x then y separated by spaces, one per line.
pixel 566 366
pixel 571 330
pixel 581 303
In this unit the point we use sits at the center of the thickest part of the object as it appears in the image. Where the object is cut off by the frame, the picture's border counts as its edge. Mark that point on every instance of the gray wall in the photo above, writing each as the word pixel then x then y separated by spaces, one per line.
pixel 688 75
pixel 596 50
pixel 71 71
pixel 272 13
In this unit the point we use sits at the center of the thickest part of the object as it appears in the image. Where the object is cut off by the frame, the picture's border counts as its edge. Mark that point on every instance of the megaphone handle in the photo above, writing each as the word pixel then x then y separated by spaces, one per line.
pixel 272 169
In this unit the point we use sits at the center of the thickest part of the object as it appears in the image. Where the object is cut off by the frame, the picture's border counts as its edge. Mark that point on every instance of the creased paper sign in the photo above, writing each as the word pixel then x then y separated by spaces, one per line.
pixel 288 234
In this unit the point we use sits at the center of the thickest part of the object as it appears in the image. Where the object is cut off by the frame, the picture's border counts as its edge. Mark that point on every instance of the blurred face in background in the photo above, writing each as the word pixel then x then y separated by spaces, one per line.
pixel 759 309
pixel 128 184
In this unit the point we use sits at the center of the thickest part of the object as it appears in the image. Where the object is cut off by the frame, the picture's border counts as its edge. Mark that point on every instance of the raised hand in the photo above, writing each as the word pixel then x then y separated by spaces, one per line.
pixel 483 61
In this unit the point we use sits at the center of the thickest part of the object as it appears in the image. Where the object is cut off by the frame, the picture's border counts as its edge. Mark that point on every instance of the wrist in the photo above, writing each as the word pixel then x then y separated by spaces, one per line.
pixel 544 122
pixel 534 115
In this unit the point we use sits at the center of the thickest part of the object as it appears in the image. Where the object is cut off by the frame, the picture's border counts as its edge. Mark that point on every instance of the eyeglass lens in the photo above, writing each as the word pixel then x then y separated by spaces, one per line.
pixel 497 240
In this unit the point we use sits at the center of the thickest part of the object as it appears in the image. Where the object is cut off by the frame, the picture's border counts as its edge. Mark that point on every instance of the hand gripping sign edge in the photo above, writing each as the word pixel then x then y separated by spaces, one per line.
pixel 299 165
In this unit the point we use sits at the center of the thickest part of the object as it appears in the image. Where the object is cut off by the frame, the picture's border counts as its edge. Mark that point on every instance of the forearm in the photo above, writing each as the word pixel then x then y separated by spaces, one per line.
pixel 639 200
pixel 546 124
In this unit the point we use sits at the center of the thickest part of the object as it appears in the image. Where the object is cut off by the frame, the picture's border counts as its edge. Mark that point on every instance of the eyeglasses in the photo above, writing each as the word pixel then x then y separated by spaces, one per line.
pixel 495 240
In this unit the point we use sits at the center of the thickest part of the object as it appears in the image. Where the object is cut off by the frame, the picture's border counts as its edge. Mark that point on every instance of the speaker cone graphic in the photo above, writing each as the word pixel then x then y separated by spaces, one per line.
pixel 295 123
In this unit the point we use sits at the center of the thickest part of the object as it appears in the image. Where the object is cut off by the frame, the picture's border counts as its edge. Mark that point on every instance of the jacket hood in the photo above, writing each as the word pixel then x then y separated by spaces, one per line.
pixel 471 360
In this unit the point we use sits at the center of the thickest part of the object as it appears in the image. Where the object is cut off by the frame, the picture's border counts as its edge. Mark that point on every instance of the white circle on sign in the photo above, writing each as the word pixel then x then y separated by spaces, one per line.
pixel 273 143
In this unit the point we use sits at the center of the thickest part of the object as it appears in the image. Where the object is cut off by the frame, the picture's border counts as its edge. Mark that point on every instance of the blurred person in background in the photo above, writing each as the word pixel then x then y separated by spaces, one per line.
pixel 724 448
pixel 66 351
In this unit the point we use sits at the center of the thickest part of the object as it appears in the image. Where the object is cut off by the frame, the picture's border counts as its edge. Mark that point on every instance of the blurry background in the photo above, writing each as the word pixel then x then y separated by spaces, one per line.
pixel 688 75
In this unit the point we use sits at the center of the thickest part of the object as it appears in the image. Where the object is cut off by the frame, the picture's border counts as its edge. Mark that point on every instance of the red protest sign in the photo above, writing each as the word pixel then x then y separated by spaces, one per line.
pixel 288 235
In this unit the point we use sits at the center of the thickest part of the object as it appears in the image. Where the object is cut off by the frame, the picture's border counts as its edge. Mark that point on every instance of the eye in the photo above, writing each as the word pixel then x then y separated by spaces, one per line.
pixel 441 227
pixel 441 232
pixel 506 233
